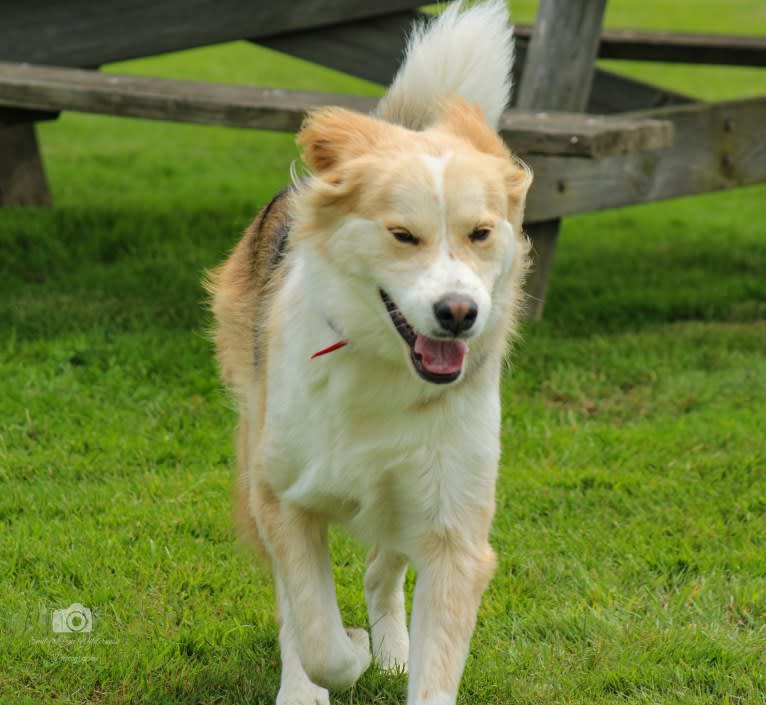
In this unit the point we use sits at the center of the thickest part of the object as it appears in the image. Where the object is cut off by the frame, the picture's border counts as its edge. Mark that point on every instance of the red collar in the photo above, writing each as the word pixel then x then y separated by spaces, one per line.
pixel 331 348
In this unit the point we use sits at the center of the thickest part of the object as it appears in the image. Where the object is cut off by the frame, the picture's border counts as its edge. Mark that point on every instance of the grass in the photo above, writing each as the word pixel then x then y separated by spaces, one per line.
pixel 631 524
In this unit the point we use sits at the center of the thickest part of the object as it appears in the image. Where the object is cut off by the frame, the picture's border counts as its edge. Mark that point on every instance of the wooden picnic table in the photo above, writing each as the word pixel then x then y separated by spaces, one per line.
pixel 595 139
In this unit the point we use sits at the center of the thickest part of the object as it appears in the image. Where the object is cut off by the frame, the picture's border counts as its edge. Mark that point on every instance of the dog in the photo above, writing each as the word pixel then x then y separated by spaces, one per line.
pixel 362 323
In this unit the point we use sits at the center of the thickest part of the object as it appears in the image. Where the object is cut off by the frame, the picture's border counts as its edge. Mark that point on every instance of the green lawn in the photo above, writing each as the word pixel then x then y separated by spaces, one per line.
pixel 631 524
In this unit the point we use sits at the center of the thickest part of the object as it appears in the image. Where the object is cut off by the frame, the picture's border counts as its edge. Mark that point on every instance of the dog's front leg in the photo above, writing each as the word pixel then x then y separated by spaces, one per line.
pixel 384 591
pixel 332 656
pixel 295 686
pixel 451 579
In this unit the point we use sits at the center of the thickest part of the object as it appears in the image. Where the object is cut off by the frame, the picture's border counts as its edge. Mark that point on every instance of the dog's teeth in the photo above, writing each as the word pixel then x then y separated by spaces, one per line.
pixel 398 319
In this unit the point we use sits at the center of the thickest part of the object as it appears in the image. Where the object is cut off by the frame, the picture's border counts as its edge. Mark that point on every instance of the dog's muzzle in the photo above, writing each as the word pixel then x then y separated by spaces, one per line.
pixel 437 360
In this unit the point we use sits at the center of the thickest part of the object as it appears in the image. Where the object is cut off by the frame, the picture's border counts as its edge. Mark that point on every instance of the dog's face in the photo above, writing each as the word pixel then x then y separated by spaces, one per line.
pixel 427 224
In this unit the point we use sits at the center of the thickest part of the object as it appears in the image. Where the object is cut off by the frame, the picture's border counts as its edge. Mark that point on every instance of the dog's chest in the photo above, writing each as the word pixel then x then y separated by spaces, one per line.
pixel 375 483
pixel 386 471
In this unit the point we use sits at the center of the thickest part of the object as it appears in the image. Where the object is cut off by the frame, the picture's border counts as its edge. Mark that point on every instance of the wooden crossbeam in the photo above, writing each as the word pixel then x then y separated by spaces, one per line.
pixel 373 49
pixel 614 93
pixel 610 92
pixel 676 47
pixel 715 146
pixel 43 88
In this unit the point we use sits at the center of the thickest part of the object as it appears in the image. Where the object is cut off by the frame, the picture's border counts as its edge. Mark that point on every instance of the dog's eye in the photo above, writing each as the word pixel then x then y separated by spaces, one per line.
pixel 480 234
pixel 404 235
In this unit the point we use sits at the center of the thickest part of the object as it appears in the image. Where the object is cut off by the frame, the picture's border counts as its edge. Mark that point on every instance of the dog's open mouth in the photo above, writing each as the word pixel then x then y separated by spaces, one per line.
pixel 436 360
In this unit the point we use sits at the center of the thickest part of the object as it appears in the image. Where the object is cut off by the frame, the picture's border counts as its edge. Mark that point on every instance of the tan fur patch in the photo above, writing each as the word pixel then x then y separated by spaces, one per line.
pixel 330 136
pixel 240 290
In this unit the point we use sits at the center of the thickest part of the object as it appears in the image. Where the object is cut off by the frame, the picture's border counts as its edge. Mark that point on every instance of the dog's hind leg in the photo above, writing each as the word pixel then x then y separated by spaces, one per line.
pixel 384 592
pixel 332 656
pixel 244 522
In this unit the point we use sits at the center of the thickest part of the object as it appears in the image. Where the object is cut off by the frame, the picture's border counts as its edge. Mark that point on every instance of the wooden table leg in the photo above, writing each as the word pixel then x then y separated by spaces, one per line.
pixel 22 176
pixel 558 73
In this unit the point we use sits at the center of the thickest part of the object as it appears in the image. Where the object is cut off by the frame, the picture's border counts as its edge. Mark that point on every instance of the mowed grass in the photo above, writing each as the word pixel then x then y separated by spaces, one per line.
pixel 631 524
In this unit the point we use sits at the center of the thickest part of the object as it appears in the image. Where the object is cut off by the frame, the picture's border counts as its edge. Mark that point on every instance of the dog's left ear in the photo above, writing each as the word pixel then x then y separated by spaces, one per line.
pixel 330 136
pixel 467 121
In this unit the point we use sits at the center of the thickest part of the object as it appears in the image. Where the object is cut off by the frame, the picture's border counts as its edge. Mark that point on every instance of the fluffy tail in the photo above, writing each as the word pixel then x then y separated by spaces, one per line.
pixel 468 53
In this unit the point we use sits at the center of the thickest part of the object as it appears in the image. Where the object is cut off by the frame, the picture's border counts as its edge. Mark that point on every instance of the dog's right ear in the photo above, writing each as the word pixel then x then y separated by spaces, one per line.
pixel 330 136
pixel 467 121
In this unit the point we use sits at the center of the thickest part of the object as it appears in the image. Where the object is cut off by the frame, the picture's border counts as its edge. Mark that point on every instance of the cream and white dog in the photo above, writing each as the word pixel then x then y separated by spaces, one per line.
pixel 362 324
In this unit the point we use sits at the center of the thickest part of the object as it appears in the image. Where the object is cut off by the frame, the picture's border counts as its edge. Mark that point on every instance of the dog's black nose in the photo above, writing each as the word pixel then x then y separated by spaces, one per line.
pixel 456 312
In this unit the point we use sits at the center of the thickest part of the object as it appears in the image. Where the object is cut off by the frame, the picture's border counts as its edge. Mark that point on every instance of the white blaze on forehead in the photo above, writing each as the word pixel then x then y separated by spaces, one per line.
pixel 436 167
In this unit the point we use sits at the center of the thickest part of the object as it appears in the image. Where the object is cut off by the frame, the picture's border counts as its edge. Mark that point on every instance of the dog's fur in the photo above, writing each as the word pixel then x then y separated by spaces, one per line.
pixel 397 434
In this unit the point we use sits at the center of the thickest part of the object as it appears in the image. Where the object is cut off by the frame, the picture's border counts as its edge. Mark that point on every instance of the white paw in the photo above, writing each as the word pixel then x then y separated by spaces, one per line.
pixel 302 694
pixel 390 645
pixel 360 643
pixel 338 666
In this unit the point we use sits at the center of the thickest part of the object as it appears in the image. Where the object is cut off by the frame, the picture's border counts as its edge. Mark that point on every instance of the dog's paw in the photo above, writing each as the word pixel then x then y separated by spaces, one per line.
pixel 390 645
pixel 360 643
pixel 306 693
pixel 337 666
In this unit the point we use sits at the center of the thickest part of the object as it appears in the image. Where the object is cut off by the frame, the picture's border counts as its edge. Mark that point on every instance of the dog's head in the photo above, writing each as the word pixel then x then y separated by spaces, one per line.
pixel 424 229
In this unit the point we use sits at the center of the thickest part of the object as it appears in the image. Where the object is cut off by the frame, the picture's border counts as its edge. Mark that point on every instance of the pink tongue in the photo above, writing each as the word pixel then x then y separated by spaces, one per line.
pixel 441 357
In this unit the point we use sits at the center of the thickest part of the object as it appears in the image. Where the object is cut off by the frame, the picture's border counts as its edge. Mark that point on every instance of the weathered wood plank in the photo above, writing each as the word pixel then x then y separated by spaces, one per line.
pixel 558 73
pixel 46 88
pixel 53 88
pixel 582 135
pixel 88 34
pixel 22 176
pixel 692 48
pixel 716 146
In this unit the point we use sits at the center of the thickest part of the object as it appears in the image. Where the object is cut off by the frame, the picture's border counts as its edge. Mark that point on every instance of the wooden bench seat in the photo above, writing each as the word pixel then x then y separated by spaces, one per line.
pixel 52 89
